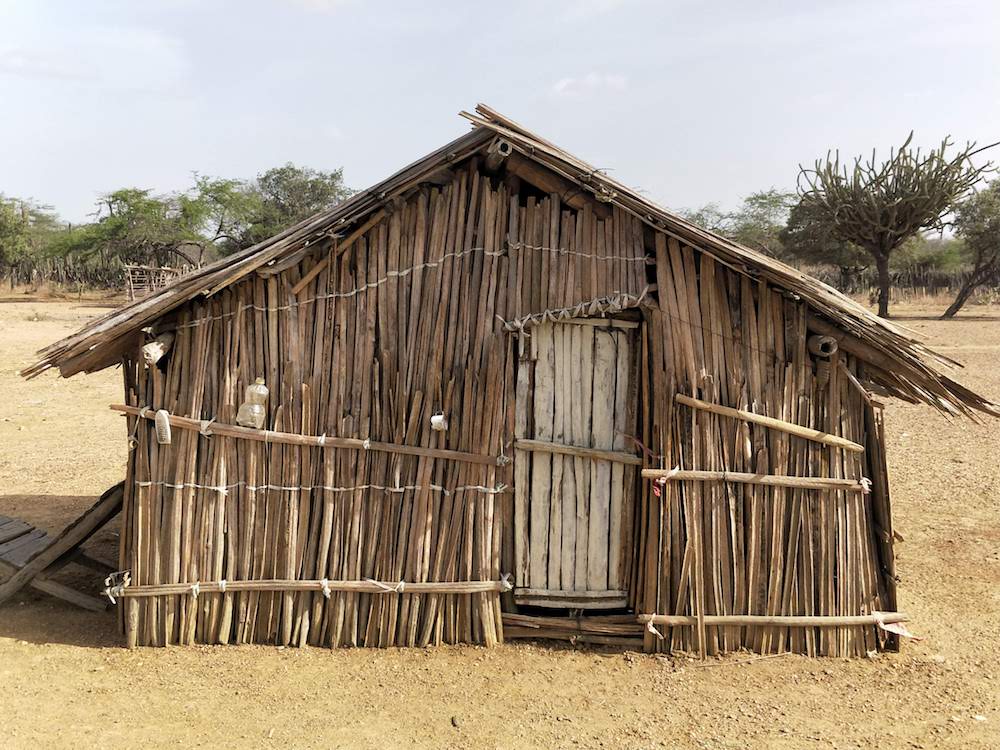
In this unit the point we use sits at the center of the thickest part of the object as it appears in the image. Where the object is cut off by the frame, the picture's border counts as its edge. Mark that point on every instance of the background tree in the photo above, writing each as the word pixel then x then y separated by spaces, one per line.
pixel 283 196
pixel 26 231
pixel 223 210
pixel 757 223
pixel 879 206
pixel 977 223
pixel 135 226
pixel 13 233
pixel 806 239
pixel 215 217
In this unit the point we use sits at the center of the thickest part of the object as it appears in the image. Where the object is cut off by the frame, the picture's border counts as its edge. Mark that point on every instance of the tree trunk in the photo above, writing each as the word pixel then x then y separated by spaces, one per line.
pixel 884 282
pixel 979 276
pixel 961 298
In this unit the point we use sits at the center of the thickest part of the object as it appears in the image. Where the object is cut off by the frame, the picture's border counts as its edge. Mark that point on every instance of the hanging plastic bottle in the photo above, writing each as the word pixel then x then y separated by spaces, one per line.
pixel 253 410
pixel 162 423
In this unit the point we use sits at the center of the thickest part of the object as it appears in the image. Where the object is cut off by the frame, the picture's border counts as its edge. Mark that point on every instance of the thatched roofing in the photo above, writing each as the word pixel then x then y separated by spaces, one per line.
pixel 896 360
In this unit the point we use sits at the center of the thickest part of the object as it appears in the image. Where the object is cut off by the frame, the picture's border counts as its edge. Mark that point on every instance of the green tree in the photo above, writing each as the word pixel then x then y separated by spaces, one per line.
pixel 977 223
pixel 757 223
pixel 710 217
pixel 14 233
pixel 880 205
pixel 284 196
pixel 135 226
pixel 807 239
pixel 26 232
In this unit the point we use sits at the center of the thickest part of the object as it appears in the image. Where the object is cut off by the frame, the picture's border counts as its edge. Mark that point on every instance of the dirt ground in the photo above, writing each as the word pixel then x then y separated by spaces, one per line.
pixel 65 680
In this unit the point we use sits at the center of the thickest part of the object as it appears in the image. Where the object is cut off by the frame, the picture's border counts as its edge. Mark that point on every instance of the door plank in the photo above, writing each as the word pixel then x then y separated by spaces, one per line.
pixel 584 359
pixel 522 470
pixel 558 436
pixel 568 551
pixel 602 436
pixel 541 464
pixel 621 428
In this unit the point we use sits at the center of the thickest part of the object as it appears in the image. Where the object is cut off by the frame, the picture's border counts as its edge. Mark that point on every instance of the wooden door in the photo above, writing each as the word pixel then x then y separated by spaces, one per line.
pixel 574 473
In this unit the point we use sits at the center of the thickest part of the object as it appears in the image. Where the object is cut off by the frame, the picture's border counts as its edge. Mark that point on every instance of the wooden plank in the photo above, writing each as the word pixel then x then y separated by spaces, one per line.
pixel 601 323
pixel 41 582
pixel 776 424
pixel 560 405
pixel 321 441
pixel 26 547
pixel 617 469
pixel 602 436
pixel 771 480
pixel 613 456
pixel 523 402
pixel 74 535
pixel 13 528
pixel 568 501
pixel 572 599
pixel 549 182
pixel 10 551
pixel 583 346
pixel 541 465
pixel 785 621
pixel 337 249
pixel 560 593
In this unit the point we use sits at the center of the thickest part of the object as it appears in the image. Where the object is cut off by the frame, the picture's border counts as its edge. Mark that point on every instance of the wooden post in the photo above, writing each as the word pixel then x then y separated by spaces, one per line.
pixel 697 526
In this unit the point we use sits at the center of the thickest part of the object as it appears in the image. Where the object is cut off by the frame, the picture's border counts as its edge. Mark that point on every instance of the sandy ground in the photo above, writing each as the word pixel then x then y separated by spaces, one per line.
pixel 66 682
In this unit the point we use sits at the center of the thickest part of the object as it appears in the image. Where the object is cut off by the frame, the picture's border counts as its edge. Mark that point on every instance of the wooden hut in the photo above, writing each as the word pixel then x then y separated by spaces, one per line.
pixel 509 397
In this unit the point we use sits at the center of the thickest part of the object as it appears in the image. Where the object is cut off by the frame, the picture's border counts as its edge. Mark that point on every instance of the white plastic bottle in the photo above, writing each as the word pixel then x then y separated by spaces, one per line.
pixel 253 410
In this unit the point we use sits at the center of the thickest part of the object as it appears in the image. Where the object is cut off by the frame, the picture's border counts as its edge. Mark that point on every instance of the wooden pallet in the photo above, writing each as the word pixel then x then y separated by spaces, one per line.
pixel 29 556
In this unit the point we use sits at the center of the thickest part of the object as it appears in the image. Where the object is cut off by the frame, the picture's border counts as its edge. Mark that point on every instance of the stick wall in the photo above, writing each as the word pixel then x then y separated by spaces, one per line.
pixel 405 322
pixel 717 548
pixel 430 309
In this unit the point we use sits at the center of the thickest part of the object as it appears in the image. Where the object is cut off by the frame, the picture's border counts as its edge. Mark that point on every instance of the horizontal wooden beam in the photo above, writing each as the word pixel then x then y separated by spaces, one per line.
pixel 782 621
pixel 587 604
pixel 557 634
pixel 597 594
pixel 618 623
pixel 543 446
pixel 547 181
pixel 207 427
pixel 46 585
pixel 771 480
pixel 600 322
pixel 776 424
pixel 337 249
pixel 367 586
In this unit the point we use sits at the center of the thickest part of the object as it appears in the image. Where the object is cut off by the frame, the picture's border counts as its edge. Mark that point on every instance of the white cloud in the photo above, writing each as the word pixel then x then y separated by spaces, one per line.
pixel 112 57
pixel 323 6
pixel 30 64
pixel 589 84
pixel 584 10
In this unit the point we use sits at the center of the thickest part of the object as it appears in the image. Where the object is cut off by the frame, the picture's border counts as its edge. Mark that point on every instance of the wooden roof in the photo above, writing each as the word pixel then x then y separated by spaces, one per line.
pixel 897 360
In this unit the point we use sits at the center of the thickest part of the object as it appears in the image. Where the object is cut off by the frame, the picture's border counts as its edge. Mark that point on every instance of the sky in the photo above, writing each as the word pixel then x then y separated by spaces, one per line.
pixel 690 102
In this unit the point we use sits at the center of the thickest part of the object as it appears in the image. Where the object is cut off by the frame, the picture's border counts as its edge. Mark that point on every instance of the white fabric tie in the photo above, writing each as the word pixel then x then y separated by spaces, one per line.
pixel 390 589
pixel 670 474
